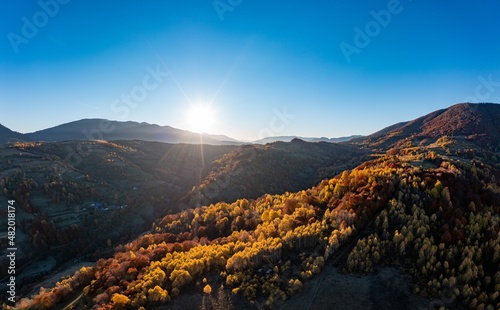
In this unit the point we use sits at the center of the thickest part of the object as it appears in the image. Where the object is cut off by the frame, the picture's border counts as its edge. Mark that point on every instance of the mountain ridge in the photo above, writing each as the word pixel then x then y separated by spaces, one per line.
pixel 307 139
pixel 463 119
pixel 97 128
pixel 479 123
pixel 7 135
pixel 103 129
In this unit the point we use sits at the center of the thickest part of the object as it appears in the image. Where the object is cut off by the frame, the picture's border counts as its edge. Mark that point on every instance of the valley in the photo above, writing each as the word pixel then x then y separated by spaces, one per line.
pixel 413 208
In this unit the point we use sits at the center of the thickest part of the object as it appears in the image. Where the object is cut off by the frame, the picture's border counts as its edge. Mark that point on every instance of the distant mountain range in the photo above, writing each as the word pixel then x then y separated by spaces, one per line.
pixel 472 121
pixel 290 138
pixel 102 129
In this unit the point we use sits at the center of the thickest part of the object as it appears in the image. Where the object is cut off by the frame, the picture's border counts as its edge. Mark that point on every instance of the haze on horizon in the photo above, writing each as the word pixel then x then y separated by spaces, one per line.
pixel 262 68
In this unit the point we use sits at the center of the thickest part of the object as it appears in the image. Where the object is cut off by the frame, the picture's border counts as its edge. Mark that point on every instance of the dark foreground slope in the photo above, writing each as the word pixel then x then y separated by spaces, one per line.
pixel 434 217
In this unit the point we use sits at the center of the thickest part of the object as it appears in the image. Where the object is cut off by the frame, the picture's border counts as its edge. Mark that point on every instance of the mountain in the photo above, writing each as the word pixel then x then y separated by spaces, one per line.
pixel 70 193
pixel 101 129
pixel 290 138
pixel 87 129
pixel 381 132
pixel 282 225
pixel 7 135
pixel 253 170
pixel 475 123
pixel 407 232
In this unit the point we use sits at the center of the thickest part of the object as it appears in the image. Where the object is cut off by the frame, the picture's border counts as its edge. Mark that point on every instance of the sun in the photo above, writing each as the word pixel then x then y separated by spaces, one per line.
pixel 200 118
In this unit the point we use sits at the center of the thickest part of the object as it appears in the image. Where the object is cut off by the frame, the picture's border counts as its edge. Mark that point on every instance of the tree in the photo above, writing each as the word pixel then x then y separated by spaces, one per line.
pixel 120 300
pixel 339 190
pixel 295 286
pixel 180 278
pixel 158 294
pixel 207 289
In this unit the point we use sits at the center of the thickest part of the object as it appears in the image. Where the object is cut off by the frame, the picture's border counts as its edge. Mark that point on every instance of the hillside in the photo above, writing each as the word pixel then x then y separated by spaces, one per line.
pixel 252 170
pixel 475 123
pixel 420 197
pixel 7 135
pixel 79 197
pixel 433 218
pixel 71 192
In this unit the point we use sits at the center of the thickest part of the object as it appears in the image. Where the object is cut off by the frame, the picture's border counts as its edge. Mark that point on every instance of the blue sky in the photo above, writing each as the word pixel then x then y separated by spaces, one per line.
pixel 324 68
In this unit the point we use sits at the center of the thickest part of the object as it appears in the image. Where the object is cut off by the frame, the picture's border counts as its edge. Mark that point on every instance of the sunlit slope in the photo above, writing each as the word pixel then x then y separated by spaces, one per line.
pixel 478 124
pixel 254 170
pixel 435 217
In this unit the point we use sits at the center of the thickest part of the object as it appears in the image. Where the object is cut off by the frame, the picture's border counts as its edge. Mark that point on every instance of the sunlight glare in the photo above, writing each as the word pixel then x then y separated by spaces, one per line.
pixel 200 118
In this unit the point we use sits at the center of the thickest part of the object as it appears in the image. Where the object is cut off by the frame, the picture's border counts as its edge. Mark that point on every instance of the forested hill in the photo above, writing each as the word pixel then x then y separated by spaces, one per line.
pixel 422 196
pixel 475 123
pixel 434 216
pixel 254 170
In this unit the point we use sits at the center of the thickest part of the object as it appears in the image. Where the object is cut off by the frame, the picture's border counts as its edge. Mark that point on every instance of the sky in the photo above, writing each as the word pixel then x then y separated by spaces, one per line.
pixel 245 69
